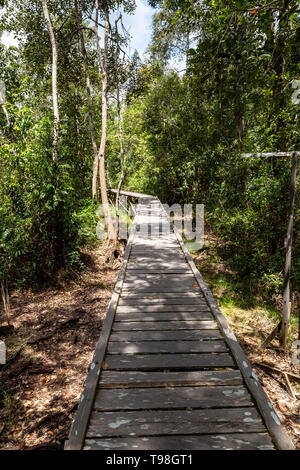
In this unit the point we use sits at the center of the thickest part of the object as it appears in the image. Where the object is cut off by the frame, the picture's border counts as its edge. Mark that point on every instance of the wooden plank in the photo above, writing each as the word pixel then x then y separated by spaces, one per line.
pixel 171 262
pixel 139 285
pixel 154 347
pixel 168 361
pixel 238 441
pixel 158 270
pixel 170 325
pixel 158 289
pixel 170 250
pixel 165 295
pixel 168 335
pixel 156 245
pixel 272 421
pixel 127 301
pixel 164 258
pixel 80 421
pixel 167 268
pixel 162 316
pixel 159 308
pixel 166 252
pixel 172 398
pixel 156 240
pixel 121 379
pixel 187 278
pixel 161 282
pixel 161 423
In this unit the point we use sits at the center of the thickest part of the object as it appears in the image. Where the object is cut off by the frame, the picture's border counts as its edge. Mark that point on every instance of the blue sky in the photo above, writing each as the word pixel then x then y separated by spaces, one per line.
pixel 138 25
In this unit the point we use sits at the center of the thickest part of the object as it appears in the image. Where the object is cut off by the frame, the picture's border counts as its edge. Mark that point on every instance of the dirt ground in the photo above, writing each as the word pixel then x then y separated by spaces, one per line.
pixel 49 351
pixel 246 311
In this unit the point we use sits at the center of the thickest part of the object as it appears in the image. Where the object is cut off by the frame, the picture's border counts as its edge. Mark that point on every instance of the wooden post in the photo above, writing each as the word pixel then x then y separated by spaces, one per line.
pixel 286 308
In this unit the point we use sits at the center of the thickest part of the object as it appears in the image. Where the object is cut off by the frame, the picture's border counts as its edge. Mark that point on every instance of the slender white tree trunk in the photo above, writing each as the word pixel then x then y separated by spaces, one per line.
pixel 101 155
pixel 54 80
pixel 122 155
pixel 89 98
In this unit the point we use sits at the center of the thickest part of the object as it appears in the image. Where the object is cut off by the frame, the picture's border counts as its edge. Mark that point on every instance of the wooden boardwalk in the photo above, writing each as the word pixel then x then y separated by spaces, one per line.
pixel 168 373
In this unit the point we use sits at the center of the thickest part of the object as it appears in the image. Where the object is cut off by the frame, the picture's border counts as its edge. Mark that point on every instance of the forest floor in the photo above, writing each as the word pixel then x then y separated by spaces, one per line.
pixel 48 353
pixel 252 316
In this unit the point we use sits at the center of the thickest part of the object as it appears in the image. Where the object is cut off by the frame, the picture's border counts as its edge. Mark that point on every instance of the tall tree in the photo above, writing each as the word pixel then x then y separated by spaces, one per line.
pixel 89 96
pixel 54 80
pixel 122 154
pixel 101 154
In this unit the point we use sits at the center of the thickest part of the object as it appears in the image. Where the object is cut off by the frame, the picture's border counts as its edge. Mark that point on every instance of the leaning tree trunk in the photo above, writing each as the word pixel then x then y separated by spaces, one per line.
pixel 101 155
pixel 89 97
pixel 54 80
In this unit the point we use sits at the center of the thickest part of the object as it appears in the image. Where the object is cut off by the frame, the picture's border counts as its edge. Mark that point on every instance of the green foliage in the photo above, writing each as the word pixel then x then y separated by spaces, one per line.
pixel 183 132
pixel 235 96
pixel 37 198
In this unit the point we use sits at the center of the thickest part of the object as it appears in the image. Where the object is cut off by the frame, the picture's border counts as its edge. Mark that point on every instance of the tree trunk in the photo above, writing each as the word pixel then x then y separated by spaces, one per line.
pixel 54 80
pixel 239 108
pixel 89 98
pixel 286 311
pixel 279 62
pixel 122 156
pixel 101 155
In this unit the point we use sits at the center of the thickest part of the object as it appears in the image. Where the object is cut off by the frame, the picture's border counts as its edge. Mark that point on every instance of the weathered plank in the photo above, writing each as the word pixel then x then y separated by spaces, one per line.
pixel 160 267
pixel 172 398
pixel 138 379
pixel 168 252
pixel 170 263
pixel 159 308
pixel 238 441
pixel 158 289
pixel 161 282
pixel 187 278
pixel 170 325
pixel 162 316
pixel 168 361
pixel 163 296
pixel 158 270
pixel 167 335
pixel 157 246
pixel 168 347
pixel 139 302
pixel 174 422
pixel 163 259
